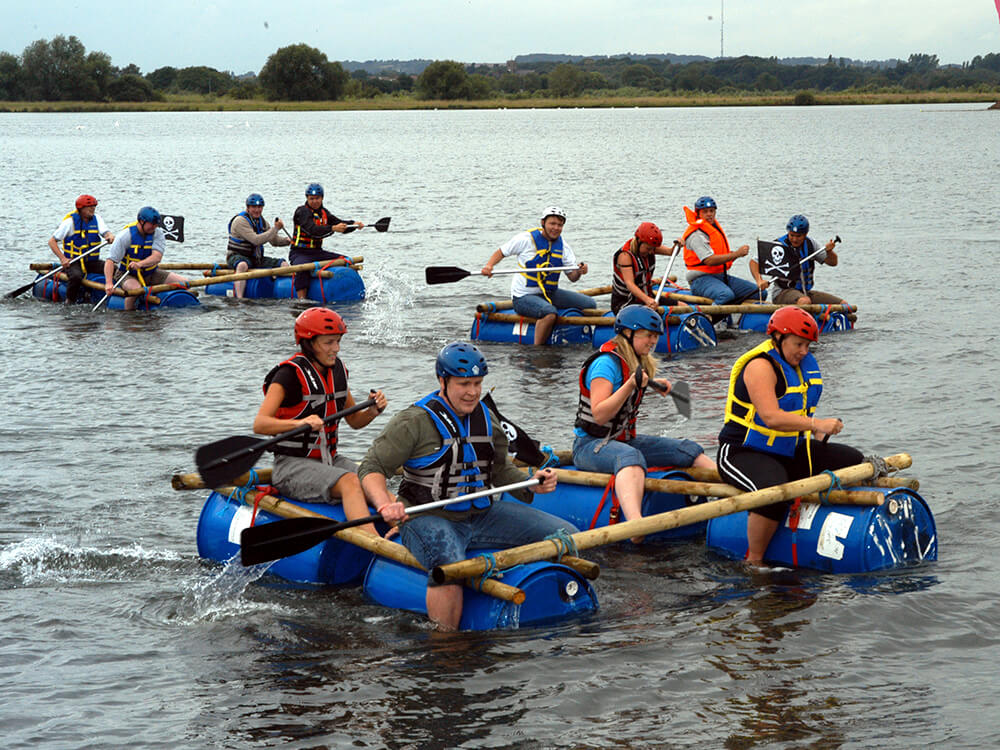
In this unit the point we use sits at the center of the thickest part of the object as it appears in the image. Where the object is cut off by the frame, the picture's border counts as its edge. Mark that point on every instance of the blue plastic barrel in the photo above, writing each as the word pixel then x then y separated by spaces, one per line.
pixel 836 321
pixel 332 562
pixel 579 504
pixel 346 285
pixel 842 538
pixel 694 331
pixel 524 332
pixel 51 289
pixel 553 592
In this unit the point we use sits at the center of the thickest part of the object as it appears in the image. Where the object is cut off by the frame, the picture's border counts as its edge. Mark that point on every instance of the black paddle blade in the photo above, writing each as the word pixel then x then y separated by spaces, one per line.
pixel 20 290
pixel 382 225
pixel 681 392
pixel 444 274
pixel 222 461
pixel 272 541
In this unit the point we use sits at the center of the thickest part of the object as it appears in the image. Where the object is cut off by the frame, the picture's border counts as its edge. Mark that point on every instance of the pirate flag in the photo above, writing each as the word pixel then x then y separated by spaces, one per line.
pixel 520 443
pixel 777 261
pixel 173 227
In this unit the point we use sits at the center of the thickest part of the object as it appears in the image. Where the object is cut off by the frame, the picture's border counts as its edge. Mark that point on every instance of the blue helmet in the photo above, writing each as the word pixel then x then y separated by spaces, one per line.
pixel 148 213
pixel 314 189
pixel 798 223
pixel 460 360
pixel 638 318
pixel 255 199
pixel 704 202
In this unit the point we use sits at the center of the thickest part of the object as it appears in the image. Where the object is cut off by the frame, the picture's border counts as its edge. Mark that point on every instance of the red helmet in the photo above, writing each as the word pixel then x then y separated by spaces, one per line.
pixel 85 200
pixel 794 320
pixel 317 321
pixel 649 233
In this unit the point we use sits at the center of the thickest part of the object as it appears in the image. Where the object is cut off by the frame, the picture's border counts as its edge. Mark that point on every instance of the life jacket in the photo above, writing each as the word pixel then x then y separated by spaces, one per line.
pixel 84 236
pixel 462 464
pixel 240 245
pixel 140 248
pixel 798 391
pixel 303 241
pixel 322 395
pixel 547 254
pixel 622 425
pixel 807 268
pixel 716 239
pixel 642 270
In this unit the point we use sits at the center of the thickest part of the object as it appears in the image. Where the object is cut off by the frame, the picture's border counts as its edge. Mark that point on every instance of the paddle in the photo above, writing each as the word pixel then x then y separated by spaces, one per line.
pixel 118 283
pixel 448 274
pixel 666 273
pixel 272 541
pixel 22 289
pixel 224 459
pixel 382 225
pixel 680 391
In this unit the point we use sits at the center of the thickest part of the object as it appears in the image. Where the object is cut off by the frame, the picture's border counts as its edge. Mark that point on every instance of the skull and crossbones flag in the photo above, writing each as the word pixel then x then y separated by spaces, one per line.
pixel 173 227
pixel 520 444
pixel 777 261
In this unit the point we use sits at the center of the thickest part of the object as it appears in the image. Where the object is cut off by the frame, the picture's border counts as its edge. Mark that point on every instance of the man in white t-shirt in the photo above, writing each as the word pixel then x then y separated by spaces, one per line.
pixel 536 293
pixel 74 243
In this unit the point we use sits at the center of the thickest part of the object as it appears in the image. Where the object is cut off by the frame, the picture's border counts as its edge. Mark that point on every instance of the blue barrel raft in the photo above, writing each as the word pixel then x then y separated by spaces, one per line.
pixel 842 538
pixel 589 507
pixel 346 285
pixel 694 331
pixel 223 519
pixel 55 291
pixel 553 592
pixel 523 331
pixel 827 322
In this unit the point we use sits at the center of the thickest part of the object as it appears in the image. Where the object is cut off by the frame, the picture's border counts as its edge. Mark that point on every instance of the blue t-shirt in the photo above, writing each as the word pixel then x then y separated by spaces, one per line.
pixel 607 367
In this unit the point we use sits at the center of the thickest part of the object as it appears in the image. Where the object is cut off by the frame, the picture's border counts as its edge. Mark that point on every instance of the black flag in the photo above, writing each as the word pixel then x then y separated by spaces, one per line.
pixel 778 261
pixel 520 443
pixel 173 227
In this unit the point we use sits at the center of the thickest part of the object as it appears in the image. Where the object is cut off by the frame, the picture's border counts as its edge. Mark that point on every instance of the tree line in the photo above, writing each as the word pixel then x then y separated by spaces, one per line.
pixel 62 70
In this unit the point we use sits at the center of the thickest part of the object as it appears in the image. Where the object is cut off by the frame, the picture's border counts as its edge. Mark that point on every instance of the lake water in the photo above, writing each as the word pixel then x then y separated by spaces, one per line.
pixel 113 632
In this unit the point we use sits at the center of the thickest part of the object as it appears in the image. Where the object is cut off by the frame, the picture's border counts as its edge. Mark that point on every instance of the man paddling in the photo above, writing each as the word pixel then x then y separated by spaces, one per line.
pixel 450 444
pixel 139 249
pixel 248 232
pixel 797 288
pixel 78 232
pixel 313 223
pixel 535 293
pixel 708 257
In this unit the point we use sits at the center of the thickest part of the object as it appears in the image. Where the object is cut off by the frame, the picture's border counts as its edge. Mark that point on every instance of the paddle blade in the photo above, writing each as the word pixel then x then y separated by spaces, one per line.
pixel 272 541
pixel 223 460
pixel 20 290
pixel 444 274
pixel 681 392
pixel 382 225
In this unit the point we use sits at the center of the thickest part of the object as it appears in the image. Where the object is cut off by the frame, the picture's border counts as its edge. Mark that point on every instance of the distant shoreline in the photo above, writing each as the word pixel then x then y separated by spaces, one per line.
pixel 199 103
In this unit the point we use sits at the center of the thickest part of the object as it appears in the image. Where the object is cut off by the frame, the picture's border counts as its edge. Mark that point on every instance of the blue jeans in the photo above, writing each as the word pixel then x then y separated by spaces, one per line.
pixel 536 306
pixel 642 450
pixel 713 285
pixel 434 540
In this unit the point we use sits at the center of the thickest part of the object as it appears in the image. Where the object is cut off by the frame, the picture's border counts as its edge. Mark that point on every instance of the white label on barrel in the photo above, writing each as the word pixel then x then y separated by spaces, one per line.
pixel 835 528
pixel 520 329
pixel 807 512
pixel 241 520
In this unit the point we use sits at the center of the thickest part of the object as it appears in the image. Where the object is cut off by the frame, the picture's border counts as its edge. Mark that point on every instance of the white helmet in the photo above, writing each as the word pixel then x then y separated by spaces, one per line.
pixel 553 211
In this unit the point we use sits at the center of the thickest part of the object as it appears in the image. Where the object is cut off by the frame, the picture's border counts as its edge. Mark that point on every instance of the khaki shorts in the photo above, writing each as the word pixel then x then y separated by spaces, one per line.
pixel 309 479
pixel 149 278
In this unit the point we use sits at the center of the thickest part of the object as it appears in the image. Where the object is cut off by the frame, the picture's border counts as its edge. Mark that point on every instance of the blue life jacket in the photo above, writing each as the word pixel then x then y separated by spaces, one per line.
pixel 462 464
pixel 547 254
pixel 798 393
pixel 807 268
pixel 83 237
pixel 140 248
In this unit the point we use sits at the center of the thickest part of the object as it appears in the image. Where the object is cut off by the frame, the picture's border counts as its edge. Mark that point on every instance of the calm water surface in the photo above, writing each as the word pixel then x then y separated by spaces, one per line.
pixel 113 632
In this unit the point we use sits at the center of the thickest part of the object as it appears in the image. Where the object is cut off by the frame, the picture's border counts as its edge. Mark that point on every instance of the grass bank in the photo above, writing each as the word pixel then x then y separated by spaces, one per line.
pixel 197 103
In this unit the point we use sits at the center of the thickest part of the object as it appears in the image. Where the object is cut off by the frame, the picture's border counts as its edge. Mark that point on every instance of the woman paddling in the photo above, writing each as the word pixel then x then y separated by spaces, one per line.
pixel 771 435
pixel 612 383
pixel 305 389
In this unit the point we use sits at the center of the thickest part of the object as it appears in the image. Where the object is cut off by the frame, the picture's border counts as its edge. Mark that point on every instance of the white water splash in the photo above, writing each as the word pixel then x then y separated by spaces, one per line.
pixel 222 595
pixel 45 560
pixel 388 297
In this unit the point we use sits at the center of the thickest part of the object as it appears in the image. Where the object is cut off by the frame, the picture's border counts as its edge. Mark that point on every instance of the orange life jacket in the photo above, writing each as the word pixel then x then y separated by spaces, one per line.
pixel 716 238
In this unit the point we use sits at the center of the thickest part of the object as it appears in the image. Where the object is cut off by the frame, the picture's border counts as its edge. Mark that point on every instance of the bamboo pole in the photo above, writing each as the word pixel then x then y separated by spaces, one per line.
pixel 193 481
pixel 664 521
pixel 117 291
pixel 508 304
pixel 374 544
pixel 224 273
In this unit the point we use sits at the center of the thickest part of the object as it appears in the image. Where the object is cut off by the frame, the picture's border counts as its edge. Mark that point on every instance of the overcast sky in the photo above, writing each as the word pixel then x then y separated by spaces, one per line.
pixel 239 36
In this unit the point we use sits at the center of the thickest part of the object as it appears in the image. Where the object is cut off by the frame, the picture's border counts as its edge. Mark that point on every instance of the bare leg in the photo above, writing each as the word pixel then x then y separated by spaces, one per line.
pixel 704 462
pixel 760 529
pixel 130 283
pixel 352 497
pixel 543 329
pixel 630 487
pixel 444 605
pixel 239 287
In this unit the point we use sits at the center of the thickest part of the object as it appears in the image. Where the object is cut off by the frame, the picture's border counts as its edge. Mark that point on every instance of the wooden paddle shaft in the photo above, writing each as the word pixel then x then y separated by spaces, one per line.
pixel 663 521
pixel 374 544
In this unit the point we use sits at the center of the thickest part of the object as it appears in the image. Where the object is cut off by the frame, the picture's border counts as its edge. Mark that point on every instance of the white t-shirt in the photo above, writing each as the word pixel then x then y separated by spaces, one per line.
pixel 523 246
pixel 66 228
pixel 124 239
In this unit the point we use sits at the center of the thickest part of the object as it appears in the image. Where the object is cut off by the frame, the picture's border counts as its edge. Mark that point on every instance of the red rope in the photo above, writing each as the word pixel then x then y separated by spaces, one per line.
pixel 612 514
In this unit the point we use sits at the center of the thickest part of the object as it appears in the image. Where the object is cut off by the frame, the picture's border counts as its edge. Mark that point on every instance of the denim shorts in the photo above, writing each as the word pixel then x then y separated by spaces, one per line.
pixel 642 450
pixel 435 540
pixel 536 306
